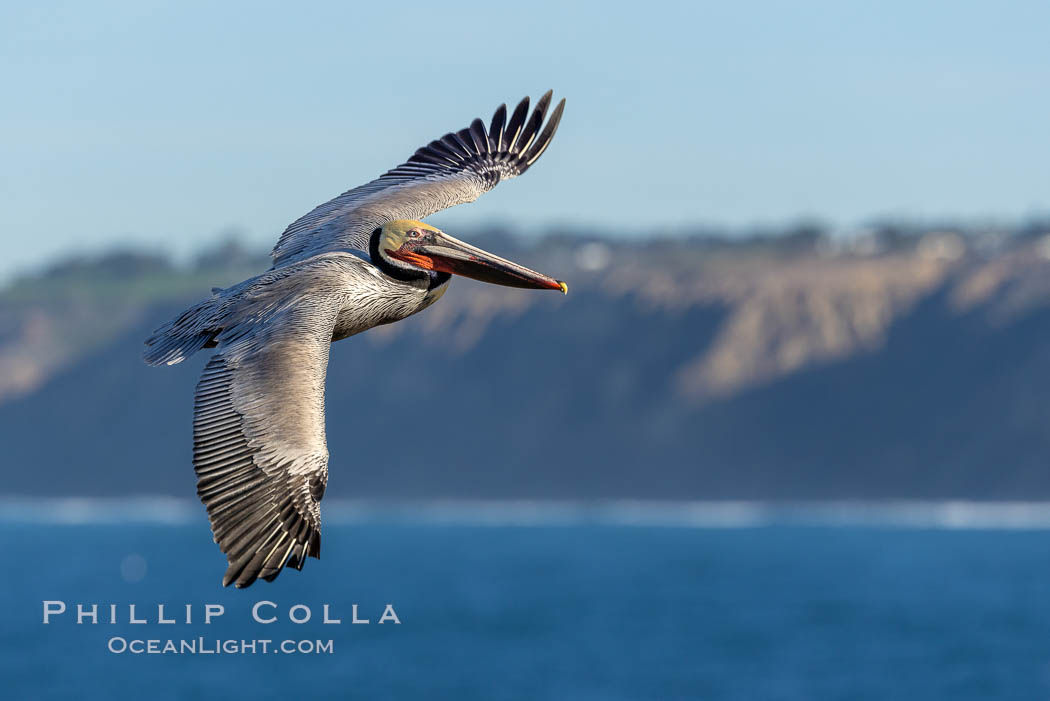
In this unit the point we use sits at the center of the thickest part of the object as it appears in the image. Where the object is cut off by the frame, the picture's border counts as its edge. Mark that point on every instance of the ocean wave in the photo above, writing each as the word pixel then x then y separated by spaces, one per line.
pixel 944 515
pixel 98 510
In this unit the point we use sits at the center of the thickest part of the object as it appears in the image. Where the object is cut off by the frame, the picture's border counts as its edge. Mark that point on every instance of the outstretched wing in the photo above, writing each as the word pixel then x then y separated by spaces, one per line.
pixel 454 169
pixel 259 442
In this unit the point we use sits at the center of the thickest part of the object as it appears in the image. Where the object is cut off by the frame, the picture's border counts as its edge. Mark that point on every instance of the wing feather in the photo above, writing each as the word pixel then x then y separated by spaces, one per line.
pixel 533 125
pixel 516 120
pixel 499 119
pixel 546 136
pixel 457 168
pixel 481 139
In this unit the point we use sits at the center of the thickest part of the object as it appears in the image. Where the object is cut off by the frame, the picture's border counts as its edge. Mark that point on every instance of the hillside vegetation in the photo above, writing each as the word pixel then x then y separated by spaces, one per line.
pixel 898 365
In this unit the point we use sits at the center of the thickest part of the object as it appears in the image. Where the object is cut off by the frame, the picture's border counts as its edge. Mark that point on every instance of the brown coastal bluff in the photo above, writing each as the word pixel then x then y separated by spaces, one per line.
pixel 358 261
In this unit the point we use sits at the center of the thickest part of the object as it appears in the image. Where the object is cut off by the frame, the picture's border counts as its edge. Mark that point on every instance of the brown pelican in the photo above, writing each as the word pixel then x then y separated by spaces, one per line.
pixel 358 261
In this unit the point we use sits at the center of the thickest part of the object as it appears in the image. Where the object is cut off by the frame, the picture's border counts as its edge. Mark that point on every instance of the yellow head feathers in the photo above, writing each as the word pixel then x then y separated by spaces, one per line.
pixel 395 231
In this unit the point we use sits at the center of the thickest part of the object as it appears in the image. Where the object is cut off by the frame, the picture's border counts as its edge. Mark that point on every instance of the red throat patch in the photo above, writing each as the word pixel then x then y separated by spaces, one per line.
pixel 415 259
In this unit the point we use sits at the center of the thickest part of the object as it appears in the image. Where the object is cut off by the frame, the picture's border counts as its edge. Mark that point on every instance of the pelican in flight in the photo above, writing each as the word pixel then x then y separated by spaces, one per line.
pixel 358 261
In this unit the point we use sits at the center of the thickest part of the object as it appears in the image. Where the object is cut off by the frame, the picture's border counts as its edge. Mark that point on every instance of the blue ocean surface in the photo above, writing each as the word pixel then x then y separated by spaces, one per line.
pixel 542 601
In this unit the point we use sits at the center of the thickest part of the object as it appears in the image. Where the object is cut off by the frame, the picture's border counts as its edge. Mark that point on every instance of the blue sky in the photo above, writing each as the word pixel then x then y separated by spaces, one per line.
pixel 162 123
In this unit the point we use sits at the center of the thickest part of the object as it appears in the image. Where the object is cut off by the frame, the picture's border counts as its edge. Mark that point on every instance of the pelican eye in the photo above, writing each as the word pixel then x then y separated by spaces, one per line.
pixel 413 234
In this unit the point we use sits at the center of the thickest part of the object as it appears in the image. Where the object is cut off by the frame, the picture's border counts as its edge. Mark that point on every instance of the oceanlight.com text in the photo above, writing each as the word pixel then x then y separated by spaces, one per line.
pixel 213 646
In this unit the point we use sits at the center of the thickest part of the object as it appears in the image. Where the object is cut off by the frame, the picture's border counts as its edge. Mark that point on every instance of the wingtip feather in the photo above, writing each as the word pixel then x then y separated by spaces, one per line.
pixel 546 136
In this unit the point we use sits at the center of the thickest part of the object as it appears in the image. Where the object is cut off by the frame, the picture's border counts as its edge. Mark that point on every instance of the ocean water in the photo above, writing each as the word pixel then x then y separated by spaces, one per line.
pixel 543 601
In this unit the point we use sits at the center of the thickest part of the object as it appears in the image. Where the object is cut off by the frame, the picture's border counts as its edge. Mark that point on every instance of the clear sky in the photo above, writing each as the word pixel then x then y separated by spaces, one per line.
pixel 163 123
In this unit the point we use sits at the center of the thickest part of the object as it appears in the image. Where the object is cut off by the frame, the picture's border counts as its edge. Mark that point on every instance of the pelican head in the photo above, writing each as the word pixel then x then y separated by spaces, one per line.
pixel 408 248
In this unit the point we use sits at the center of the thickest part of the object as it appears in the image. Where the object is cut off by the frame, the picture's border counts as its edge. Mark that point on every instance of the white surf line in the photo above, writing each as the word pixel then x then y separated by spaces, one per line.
pixel 942 515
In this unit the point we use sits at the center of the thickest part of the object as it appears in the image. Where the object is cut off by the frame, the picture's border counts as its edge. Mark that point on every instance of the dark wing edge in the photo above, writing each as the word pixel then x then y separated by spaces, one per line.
pixel 505 150
pixel 455 169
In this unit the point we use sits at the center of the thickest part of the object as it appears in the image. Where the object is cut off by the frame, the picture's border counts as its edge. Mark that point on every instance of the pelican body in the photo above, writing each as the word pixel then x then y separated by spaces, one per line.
pixel 358 261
